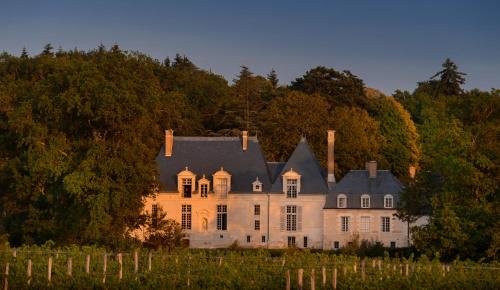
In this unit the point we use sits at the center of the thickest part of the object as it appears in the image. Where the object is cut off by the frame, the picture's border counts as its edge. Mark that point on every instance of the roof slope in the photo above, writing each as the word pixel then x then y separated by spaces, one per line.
pixel 357 182
pixel 304 163
pixel 206 155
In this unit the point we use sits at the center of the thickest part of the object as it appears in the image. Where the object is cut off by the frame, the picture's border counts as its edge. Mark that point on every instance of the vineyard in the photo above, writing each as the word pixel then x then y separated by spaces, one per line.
pixel 92 268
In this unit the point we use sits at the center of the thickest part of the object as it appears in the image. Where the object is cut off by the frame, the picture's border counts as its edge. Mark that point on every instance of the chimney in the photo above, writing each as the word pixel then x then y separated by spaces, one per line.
pixel 169 142
pixel 411 171
pixel 331 156
pixel 372 169
pixel 244 140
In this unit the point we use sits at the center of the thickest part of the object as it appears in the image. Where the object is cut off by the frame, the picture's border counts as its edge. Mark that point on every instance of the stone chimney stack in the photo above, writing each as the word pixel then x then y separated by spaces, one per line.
pixel 411 171
pixel 371 166
pixel 331 156
pixel 244 139
pixel 169 142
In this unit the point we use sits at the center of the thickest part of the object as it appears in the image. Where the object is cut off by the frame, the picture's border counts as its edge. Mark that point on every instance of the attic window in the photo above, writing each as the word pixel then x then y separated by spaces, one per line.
pixel 291 184
pixel 341 201
pixel 365 201
pixel 222 183
pixel 388 201
pixel 257 185
pixel 185 182
pixel 203 186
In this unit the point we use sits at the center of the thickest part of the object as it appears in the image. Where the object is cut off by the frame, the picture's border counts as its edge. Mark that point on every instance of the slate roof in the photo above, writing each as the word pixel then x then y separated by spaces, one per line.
pixel 275 169
pixel 206 155
pixel 357 182
pixel 304 163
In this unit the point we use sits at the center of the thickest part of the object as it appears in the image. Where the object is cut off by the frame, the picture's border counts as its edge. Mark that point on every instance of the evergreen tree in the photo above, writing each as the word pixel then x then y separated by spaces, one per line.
pixel 449 79
pixel 24 53
pixel 47 49
pixel 273 78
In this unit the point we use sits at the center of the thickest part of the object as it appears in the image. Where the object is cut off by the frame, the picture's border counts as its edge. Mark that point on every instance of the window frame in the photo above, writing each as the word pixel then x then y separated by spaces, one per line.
pixel 186 217
pixel 388 197
pixel 364 224
pixel 385 223
pixel 292 241
pixel 365 198
pixel 341 197
pixel 257 225
pixel 291 218
pixel 183 176
pixel 218 177
pixel 291 190
pixel 345 224
pixel 222 218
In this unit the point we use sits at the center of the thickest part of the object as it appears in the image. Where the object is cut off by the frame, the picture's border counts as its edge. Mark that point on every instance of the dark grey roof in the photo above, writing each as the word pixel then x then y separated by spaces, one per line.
pixel 206 155
pixel 274 169
pixel 357 182
pixel 304 163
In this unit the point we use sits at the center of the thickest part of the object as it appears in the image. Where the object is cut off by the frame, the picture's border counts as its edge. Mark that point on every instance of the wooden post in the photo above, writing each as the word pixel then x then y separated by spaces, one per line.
pixel 14 253
pixel 188 279
pixel 283 262
pixel 104 268
pixel 149 261
pixel 344 269
pixel 363 270
pixel 323 274
pixel 87 264
pixel 70 267
pixel 220 261
pixel 288 285
pixel 6 279
pixel 120 267
pixel 334 278
pixel 379 264
pixel 49 269
pixel 373 263
pixel 354 267
pixel 300 274
pixel 313 279
pixel 136 262
pixel 407 270
pixel 28 273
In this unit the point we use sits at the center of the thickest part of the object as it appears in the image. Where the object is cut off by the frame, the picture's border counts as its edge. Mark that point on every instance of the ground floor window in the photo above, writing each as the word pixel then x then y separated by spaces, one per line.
pixel 257 225
pixel 345 223
pixel 291 241
pixel 386 224
pixel 186 217
pixel 222 217
pixel 263 239
pixel 305 242
pixel 249 239
pixel 393 244
pixel 336 245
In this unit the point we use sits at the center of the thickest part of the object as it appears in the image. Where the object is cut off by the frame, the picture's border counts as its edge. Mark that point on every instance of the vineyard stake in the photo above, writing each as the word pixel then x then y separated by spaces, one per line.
pixel 87 264
pixel 220 261
pixel 49 270
pixel 104 268
pixel 6 279
pixel 14 253
pixel 363 270
pixel 149 261
pixel 334 278
pixel 29 272
pixel 300 274
pixel 120 267
pixel 288 280
pixel 136 262
pixel 313 279
pixel 70 267
pixel 407 270
pixel 323 274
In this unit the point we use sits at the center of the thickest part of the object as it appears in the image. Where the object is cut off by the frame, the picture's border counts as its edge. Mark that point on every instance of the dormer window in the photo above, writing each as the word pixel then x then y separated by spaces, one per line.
pixel 388 201
pixel 257 185
pixel 365 201
pixel 222 183
pixel 203 186
pixel 185 183
pixel 291 184
pixel 341 201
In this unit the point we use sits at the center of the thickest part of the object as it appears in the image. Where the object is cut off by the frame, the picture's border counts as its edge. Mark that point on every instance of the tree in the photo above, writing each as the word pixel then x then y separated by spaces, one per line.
pixel 339 88
pixel 273 78
pixel 162 232
pixel 449 79
pixel 47 50
pixel 24 53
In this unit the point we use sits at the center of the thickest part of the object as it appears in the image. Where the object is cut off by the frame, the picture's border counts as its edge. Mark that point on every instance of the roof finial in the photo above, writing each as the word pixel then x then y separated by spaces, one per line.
pixel 186 168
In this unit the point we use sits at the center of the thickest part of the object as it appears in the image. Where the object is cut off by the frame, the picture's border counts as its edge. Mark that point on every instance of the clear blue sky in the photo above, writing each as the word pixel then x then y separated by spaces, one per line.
pixel 389 44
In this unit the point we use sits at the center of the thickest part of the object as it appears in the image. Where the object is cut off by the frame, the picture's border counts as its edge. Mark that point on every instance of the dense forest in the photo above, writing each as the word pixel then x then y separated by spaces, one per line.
pixel 80 130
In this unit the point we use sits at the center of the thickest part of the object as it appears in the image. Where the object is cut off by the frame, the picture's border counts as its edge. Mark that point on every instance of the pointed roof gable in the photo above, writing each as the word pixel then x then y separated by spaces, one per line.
pixel 304 163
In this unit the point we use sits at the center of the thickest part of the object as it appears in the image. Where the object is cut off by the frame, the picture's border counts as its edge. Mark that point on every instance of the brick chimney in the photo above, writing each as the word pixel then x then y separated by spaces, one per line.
pixel 244 139
pixel 169 142
pixel 371 166
pixel 331 156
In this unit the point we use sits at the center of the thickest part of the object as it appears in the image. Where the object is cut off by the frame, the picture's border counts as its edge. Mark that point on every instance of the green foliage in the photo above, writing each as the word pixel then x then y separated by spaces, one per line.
pixel 161 232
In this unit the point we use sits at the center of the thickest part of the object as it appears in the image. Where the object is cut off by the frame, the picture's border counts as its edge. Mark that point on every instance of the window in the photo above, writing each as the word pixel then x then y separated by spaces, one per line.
pixel 341 201
pixel 263 239
pixel 386 224
pixel 222 217
pixel 393 244
pixel 249 238
pixel 257 185
pixel 186 217
pixel 336 244
pixel 291 188
pixel 154 215
pixel 388 201
pixel 305 242
pixel 204 190
pixel 257 225
pixel 256 209
pixel 291 241
pixel 291 218
pixel 365 201
pixel 222 183
pixel 187 185
pixel 364 225
pixel 345 223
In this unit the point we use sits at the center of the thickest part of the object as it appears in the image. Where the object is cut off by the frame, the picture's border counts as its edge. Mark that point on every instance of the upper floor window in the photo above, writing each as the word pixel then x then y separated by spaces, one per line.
pixel 364 224
pixel 203 186
pixel 222 183
pixel 257 185
pixel 341 201
pixel 365 201
pixel 388 201
pixel 291 184
pixel 256 209
pixel 291 218
pixel 185 183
